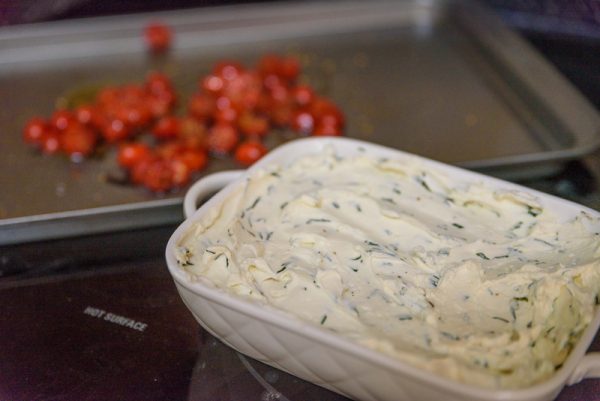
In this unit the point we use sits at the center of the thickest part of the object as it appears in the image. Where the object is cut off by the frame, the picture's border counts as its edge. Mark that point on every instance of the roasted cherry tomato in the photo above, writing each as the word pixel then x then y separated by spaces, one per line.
pixel 159 175
pixel 222 138
pixel 228 70
pixel 158 37
pixel 212 84
pixel 327 130
pixel 84 114
pixel 78 141
pixel 195 160
pixel 115 130
pixel 303 122
pixel 131 154
pixel 158 83
pixel 249 152
pixel 303 95
pixel 50 141
pixel 251 124
pixel 181 172
pixel 61 119
pixel 202 106
pixel 166 128
pixel 289 68
pixel 192 133
pixel 34 130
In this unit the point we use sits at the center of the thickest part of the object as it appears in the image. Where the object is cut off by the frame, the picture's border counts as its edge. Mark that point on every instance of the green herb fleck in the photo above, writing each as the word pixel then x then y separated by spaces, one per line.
pixel 450 336
pixel 226 259
pixel 423 184
pixel 533 211
pixel 310 221
pixel 253 205
pixel 517 225
pixel 458 225
pixel 323 319
pixel 482 255
pixel 501 319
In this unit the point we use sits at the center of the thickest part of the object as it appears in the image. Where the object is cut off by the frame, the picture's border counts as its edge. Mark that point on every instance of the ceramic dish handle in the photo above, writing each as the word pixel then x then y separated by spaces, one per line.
pixel 205 187
pixel 588 367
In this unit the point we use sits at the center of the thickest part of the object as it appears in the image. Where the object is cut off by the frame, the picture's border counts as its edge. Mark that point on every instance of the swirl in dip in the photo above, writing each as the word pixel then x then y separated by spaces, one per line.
pixel 474 283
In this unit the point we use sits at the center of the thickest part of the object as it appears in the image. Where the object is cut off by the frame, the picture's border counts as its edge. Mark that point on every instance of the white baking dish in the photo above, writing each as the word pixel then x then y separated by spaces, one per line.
pixel 322 357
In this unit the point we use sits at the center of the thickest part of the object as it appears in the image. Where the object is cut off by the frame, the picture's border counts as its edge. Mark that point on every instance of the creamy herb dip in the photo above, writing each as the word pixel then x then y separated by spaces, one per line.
pixel 474 283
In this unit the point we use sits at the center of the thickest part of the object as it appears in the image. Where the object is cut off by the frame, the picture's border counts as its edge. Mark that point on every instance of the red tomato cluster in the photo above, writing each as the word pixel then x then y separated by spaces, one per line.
pixel 232 111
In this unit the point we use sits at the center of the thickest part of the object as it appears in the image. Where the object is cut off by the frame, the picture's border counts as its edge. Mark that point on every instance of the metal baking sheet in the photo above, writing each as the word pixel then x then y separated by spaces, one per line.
pixel 441 79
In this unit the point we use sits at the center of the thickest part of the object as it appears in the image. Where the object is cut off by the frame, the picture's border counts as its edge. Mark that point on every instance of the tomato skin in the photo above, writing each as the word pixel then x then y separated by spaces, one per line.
pixel 166 128
pixel 61 119
pixel 281 114
pixel 212 84
pixel 180 172
pixel 228 70
pixel 195 160
pixel 78 141
pixel 192 133
pixel 321 105
pixel 222 139
pixel 269 64
pixel 84 114
pixel 289 68
pixel 332 117
pixel 303 122
pixel 227 116
pixel 158 176
pixel 158 83
pixel 135 116
pixel 303 95
pixel 50 141
pixel 251 124
pixel 131 154
pixel 249 152
pixel 202 106
pixel 158 37
pixel 34 130
pixel 115 130
pixel 327 130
